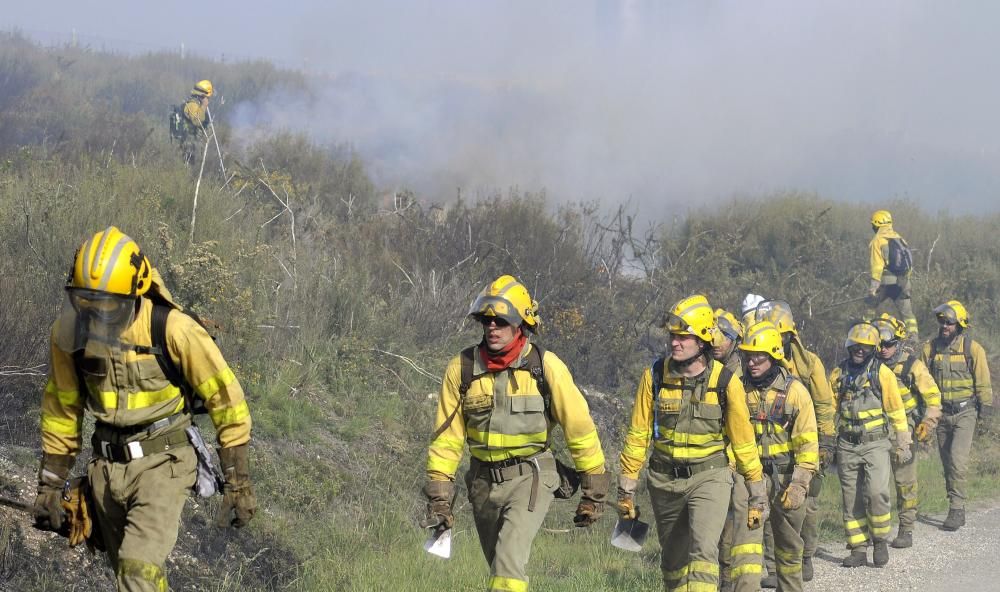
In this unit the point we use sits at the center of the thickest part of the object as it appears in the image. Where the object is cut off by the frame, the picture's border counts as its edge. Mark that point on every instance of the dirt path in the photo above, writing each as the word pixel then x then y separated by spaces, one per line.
pixel 965 560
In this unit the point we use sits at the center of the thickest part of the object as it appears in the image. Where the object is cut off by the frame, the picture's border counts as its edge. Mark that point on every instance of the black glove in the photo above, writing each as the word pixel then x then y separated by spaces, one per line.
pixel 52 476
pixel 439 494
pixel 595 493
pixel 238 501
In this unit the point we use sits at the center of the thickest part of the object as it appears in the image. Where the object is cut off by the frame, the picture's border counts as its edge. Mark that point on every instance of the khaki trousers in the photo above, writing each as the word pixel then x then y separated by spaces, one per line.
pixel 138 506
pixel 505 526
pixel 689 516
pixel 864 471
pixel 745 553
pixel 905 475
pixel 899 293
pixel 954 433
pixel 787 527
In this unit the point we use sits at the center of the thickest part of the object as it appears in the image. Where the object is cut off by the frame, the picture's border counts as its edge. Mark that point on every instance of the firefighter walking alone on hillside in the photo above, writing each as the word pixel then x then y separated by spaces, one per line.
pixel 890 263
pixel 189 123
pixel 105 360
pixel 500 398
pixel 689 404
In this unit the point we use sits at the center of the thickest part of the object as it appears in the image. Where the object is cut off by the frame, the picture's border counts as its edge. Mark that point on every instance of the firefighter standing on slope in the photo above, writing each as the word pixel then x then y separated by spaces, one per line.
pixel 193 120
pixel 689 405
pixel 144 466
pixel 809 369
pixel 784 422
pixel 887 283
pixel 958 364
pixel 500 398
pixel 922 402
pixel 869 409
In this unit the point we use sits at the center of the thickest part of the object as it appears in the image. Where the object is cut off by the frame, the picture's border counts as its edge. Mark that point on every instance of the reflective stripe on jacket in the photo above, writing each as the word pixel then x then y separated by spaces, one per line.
pixel 950 369
pixel 692 424
pixel 785 436
pixel 503 417
pixel 860 410
pixel 125 388
pixel 917 386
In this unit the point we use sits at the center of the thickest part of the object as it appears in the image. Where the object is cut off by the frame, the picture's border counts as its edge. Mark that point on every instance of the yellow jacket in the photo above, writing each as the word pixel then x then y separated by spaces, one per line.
pixel 195 114
pixel 957 377
pixel 676 445
pixel 807 367
pixel 917 383
pixel 125 388
pixel 892 403
pixel 878 250
pixel 788 431
pixel 513 396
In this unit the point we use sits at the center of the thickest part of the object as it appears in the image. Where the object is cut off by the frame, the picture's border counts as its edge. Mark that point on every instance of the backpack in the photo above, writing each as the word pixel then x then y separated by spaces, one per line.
pixel 176 125
pixel 900 259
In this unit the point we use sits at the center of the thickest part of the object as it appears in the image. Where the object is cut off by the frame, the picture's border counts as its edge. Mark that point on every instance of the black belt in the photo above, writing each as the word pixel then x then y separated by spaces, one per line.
pixel 129 451
pixel 772 468
pixel 512 468
pixel 863 437
pixel 686 471
pixel 953 408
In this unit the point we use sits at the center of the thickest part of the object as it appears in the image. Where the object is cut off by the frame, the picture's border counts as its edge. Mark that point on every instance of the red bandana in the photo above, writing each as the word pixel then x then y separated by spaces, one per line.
pixel 502 359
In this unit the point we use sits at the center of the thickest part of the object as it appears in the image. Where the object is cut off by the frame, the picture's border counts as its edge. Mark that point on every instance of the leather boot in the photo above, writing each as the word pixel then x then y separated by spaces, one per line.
pixel 955 520
pixel 807 569
pixel 903 540
pixel 769 581
pixel 881 554
pixel 857 558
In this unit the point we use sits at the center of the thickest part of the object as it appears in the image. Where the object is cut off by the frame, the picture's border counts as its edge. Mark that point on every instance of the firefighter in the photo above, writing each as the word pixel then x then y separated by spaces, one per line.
pixel 922 402
pixel 191 121
pixel 889 272
pixel 689 405
pixel 144 465
pixel 784 422
pixel 501 398
pixel 869 413
pixel 958 364
pixel 809 369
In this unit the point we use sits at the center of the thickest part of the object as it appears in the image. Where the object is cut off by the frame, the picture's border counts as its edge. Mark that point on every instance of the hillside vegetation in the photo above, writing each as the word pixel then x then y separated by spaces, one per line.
pixel 339 304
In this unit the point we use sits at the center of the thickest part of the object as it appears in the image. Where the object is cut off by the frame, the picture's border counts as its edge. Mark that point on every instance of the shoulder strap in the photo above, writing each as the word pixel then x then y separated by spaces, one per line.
pixel 873 377
pixel 721 385
pixel 908 368
pixel 967 350
pixel 467 361
pixel 533 363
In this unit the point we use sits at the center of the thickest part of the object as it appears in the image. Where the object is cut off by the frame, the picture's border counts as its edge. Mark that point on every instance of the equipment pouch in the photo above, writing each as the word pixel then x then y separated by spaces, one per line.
pixel 569 481
pixel 209 480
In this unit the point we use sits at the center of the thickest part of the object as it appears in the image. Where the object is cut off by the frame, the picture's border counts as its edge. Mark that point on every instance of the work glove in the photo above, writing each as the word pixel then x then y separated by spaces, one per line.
pixel 985 421
pixel 238 501
pixel 626 498
pixel 757 505
pixel 926 427
pixel 595 493
pixel 52 475
pixel 873 287
pixel 439 494
pixel 902 453
pixel 75 502
pixel 827 450
pixel 798 488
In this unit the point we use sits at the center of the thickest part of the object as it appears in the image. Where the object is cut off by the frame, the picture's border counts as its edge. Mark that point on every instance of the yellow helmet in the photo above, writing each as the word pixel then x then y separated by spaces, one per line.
pixel 692 316
pixel 764 337
pixel 953 311
pixel 779 313
pixel 112 263
pixel 881 218
pixel 508 299
pixel 203 89
pixel 863 334
pixel 890 328
pixel 727 325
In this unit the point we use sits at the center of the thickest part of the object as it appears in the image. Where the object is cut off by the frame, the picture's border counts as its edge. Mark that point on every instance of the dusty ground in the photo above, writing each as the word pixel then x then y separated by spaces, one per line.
pixel 965 560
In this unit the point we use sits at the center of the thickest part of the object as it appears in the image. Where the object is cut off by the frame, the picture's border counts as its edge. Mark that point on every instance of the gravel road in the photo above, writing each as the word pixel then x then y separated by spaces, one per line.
pixel 965 560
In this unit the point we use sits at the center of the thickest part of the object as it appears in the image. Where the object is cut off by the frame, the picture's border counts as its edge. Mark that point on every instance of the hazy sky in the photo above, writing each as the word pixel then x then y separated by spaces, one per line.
pixel 663 102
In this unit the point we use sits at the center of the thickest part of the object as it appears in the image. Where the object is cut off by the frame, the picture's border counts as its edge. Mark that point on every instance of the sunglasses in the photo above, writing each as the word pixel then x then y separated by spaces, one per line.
pixel 498 321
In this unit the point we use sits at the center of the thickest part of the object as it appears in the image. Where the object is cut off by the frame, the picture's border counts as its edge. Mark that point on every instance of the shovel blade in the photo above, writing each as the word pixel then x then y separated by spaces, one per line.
pixel 439 543
pixel 629 535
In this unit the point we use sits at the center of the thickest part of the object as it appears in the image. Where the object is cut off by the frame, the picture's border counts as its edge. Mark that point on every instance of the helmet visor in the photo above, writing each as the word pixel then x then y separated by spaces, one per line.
pixel 99 314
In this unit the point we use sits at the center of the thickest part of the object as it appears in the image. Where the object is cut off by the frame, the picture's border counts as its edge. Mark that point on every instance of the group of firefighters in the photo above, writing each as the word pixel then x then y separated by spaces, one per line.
pixel 743 420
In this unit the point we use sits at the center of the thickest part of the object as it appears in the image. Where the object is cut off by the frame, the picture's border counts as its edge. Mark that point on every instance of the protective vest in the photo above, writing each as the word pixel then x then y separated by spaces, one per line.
pixel 689 424
pixel 859 411
pixel 951 367
pixel 772 421
pixel 903 369
pixel 500 425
